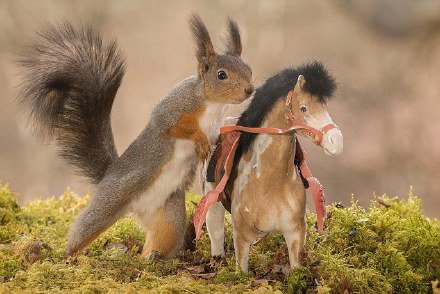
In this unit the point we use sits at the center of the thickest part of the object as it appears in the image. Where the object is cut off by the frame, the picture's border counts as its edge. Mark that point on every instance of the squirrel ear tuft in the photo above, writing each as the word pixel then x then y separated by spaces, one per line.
pixel 233 41
pixel 205 53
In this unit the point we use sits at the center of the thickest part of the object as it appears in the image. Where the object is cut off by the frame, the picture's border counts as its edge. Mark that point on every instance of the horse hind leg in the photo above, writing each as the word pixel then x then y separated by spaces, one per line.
pixel 166 228
pixel 215 223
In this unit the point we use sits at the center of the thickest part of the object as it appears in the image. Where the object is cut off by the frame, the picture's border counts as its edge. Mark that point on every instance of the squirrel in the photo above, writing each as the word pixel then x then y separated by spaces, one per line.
pixel 71 77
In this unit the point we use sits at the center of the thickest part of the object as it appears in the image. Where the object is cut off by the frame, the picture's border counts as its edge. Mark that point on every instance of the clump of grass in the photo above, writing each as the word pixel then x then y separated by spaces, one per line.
pixel 384 249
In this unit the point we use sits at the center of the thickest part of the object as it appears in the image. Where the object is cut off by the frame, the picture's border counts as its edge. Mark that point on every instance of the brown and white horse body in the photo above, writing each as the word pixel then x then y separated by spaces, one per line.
pixel 268 193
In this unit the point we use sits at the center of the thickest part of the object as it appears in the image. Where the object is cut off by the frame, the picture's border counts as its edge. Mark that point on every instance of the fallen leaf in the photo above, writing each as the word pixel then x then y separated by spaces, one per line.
pixel 196 269
pixel 206 276
pixel 285 270
pixel 119 248
pixel 32 251
pixel 260 281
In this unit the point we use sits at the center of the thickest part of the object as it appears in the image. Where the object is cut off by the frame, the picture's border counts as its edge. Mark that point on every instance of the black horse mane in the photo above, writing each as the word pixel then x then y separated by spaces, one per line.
pixel 319 82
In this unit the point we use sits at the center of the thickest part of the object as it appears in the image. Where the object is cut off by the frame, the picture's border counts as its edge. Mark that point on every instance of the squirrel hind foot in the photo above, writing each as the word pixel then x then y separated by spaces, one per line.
pixel 154 256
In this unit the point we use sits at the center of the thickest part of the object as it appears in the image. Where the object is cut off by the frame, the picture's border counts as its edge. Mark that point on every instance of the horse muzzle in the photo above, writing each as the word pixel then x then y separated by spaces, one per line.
pixel 332 142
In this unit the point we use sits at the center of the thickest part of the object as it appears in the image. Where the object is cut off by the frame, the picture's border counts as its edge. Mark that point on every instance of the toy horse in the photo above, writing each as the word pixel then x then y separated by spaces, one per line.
pixel 265 187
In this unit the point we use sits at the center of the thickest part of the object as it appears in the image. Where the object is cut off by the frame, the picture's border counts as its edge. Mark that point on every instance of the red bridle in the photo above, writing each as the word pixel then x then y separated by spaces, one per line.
pixel 230 142
pixel 293 122
pixel 296 124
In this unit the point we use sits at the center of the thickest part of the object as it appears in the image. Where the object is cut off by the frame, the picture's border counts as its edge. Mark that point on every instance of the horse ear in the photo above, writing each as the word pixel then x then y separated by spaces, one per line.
pixel 205 53
pixel 233 41
pixel 299 87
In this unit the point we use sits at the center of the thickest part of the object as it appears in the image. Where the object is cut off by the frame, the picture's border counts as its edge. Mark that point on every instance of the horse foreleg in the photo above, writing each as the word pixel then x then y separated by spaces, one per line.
pixel 242 246
pixel 295 244
pixel 215 223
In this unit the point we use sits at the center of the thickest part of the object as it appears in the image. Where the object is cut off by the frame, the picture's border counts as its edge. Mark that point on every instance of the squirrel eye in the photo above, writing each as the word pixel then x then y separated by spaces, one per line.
pixel 303 108
pixel 222 75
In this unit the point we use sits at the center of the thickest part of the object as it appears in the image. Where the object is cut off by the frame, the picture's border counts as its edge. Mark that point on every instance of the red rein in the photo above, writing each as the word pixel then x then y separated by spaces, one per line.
pixel 229 145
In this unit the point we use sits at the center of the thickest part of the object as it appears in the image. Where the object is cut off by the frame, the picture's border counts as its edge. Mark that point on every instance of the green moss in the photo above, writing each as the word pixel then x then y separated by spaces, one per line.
pixel 299 280
pixel 9 209
pixel 8 200
pixel 380 250
pixel 225 276
pixel 395 249
pixel 9 264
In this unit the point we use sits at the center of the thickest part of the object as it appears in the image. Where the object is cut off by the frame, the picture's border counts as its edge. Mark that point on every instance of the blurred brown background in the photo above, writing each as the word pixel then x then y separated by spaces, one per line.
pixel 385 54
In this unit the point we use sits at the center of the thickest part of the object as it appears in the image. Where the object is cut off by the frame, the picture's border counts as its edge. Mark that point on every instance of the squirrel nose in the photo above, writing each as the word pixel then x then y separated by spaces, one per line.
pixel 249 90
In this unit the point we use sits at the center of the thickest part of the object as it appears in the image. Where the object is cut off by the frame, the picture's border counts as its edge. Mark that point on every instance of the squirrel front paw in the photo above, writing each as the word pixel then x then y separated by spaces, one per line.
pixel 203 149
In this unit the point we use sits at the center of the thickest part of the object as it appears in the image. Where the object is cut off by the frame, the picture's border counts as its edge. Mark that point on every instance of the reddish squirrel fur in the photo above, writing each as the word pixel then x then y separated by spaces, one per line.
pixel 71 77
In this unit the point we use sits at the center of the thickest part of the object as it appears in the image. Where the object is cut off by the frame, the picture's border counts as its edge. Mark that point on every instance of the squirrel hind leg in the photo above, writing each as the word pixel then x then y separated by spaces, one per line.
pixel 89 224
pixel 166 230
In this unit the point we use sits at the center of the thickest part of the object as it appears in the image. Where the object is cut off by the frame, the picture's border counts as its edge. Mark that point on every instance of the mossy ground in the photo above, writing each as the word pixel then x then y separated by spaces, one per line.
pixel 383 249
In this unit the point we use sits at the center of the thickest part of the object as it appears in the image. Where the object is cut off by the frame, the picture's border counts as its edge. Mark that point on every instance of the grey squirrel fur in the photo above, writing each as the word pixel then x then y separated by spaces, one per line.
pixel 71 77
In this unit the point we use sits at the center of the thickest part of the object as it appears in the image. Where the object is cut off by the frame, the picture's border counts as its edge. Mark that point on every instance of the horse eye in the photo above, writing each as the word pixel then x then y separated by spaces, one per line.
pixel 222 75
pixel 303 108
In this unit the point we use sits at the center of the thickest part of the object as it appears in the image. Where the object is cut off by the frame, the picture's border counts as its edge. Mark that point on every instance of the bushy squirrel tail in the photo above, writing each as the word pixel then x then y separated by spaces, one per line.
pixel 71 77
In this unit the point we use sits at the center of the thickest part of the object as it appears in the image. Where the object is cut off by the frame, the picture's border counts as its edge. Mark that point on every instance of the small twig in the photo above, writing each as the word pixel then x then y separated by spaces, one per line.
pixel 383 202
